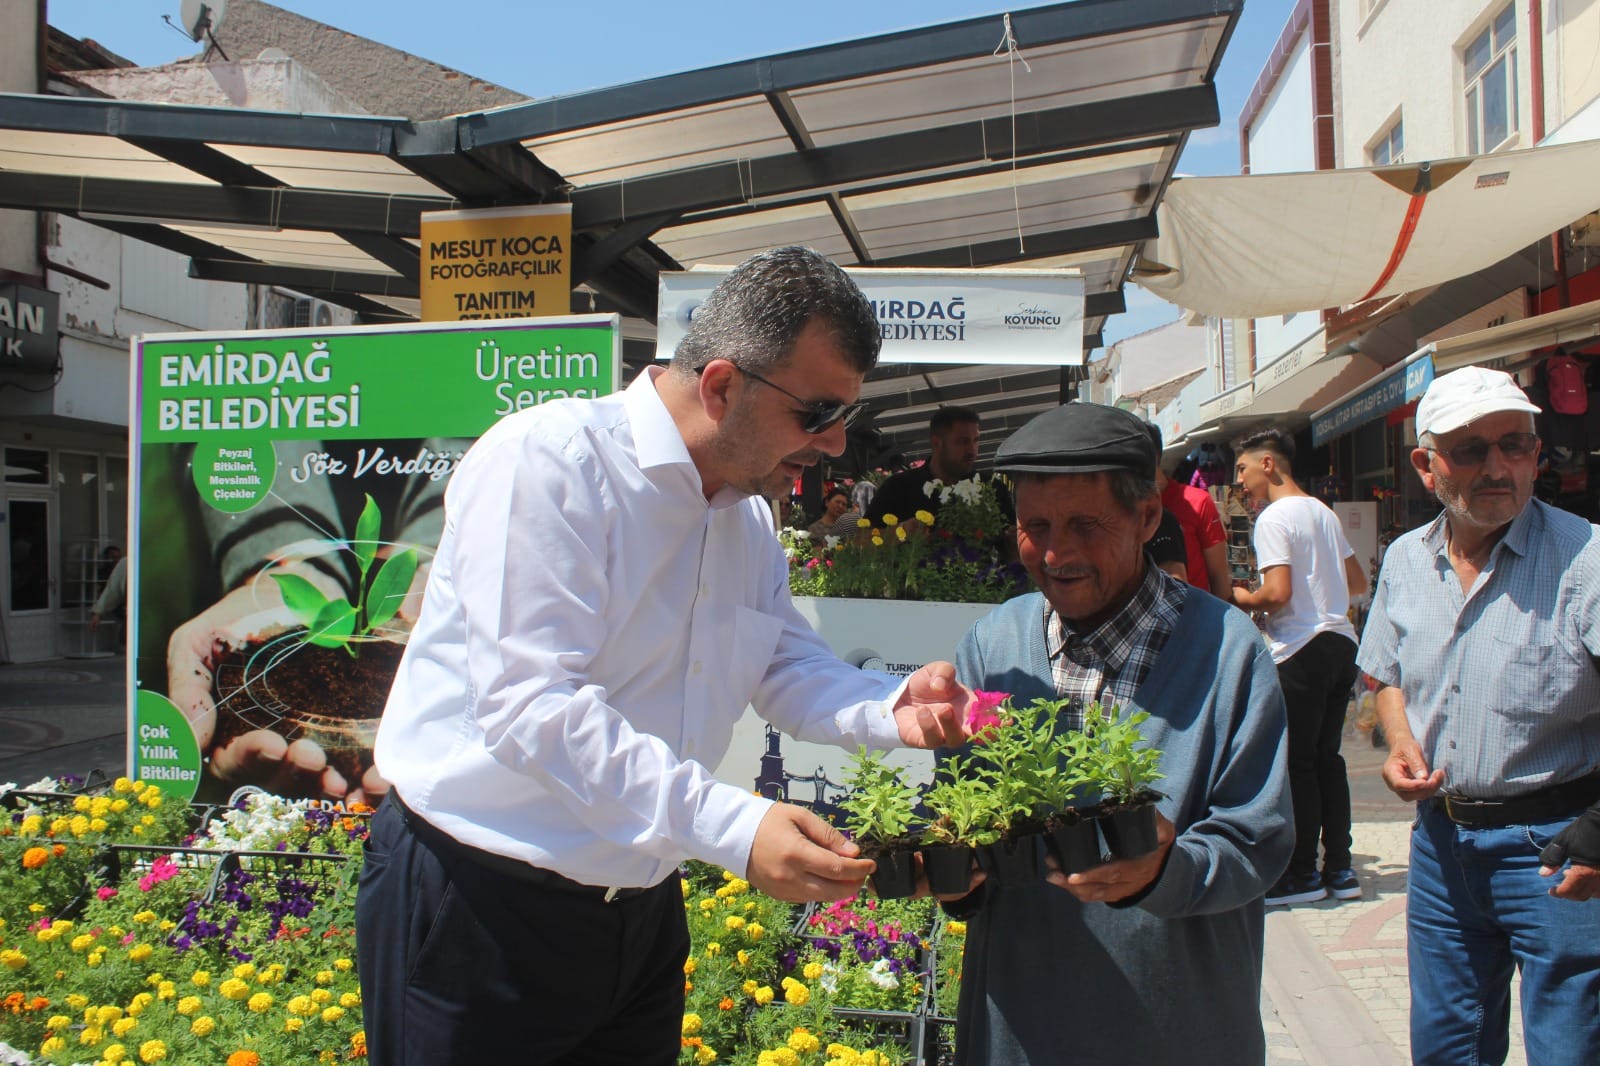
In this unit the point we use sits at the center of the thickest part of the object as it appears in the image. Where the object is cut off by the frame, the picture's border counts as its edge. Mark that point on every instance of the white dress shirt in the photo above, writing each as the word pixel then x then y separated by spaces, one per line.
pixel 592 629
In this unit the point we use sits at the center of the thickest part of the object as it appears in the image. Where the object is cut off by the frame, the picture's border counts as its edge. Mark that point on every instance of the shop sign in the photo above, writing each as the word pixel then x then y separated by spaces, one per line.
pixel 29 333
pixel 1226 403
pixel 497 262
pixel 1024 318
pixel 287 501
pixel 1398 387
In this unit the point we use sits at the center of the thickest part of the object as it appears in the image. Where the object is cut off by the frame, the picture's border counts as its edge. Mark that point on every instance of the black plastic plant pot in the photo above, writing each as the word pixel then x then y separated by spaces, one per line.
pixel 1130 831
pixel 949 868
pixel 896 875
pixel 1013 860
pixel 1074 842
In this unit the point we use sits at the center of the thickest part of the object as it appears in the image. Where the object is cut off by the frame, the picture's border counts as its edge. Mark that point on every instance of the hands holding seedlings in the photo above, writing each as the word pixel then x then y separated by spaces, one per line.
pixel 1119 878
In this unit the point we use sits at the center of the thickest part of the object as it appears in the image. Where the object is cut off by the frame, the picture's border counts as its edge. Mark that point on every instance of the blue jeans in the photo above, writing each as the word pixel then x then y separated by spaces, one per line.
pixel 1475 907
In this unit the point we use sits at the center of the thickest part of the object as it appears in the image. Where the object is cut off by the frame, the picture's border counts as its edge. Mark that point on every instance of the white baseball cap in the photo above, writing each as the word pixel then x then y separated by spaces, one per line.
pixel 1466 395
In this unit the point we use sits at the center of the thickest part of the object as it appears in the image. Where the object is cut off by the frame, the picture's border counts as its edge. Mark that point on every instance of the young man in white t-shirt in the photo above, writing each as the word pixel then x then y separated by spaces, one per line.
pixel 1308 575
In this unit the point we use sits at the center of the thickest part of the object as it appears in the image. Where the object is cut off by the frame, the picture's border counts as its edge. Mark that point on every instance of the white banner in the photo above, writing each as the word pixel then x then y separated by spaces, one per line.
pixel 1016 317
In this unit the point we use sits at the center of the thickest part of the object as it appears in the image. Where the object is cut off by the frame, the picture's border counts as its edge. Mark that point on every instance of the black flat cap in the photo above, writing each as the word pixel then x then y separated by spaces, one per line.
pixel 1079 438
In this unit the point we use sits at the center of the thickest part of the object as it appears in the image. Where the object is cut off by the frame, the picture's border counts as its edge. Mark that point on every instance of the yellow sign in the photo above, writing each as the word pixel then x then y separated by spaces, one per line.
pixel 496 262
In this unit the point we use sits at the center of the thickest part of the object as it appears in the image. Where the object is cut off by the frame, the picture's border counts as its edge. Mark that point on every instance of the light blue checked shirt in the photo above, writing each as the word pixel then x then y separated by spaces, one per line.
pixel 1501 688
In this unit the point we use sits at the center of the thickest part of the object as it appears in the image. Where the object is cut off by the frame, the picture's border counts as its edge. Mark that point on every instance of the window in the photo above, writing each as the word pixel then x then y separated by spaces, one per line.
pixel 1489 75
pixel 1390 148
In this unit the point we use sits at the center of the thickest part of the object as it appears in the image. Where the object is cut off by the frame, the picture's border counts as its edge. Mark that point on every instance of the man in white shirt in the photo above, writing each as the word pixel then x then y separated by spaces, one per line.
pixel 607 597
pixel 1309 572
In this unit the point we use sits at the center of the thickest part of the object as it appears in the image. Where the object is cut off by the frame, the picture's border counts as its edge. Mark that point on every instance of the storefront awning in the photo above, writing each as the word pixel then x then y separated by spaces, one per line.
pixel 1271 244
pixel 1401 384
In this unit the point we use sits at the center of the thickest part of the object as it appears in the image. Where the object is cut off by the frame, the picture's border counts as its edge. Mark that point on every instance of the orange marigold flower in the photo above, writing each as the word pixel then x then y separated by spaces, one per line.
pixel 58 850
pixel 725 1004
pixel 34 858
pixel 244 1058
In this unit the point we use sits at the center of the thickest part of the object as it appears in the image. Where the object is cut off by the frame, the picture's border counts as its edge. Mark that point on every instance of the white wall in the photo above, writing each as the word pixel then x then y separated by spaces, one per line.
pixel 1283 138
pixel 19 73
pixel 1405 57
pixel 1571 48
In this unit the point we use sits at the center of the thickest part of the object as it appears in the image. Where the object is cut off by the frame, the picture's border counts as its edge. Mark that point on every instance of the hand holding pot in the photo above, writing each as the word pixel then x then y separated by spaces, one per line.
pixel 932 707
pixel 254 611
pixel 798 857
pixel 1120 878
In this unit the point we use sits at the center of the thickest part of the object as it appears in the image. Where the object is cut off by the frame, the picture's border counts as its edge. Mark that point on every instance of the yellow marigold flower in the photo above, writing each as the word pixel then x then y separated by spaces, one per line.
pixel 301 1005
pixel 925 517
pixel 358 1042
pixel 320 996
pixel 96 957
pixel 188 1005
pixel 843 1053
pixel 332 1014
pixel 81 803
pixel 167 925
pixel 244 971
pixel 166 990
pixel 81 942
pixel 77 1001
pixel 234 989
pixel 114 1053
pixel 891 520
pixel 272 974
pixel 78 824
pixel 750 906
pixel 900 533
pixel 152 1051
pixel 98 825
pixel 713 949
pixel 812 971
pixel 122 784
pixel 744 957
pixel 691 1024
pixel 31 825
pixel 782 1056
pixel 91 1035
pixel 140 952
pixel 870 1058
pixel 124 1026
pixel 201 978
pixel 52 1045
pixel 260 1003
pixel 47 934
pixel 763 995
pixel 106 1015
pixel 324 977
pixel 145 917
pixel 688 967
pixel 153 800
pixel 733 921
pixel 118 806
pixel 802 1041
pixel 34 858
pixel 704 1055
pixel 350 1000
pixel 57 827
pixel 58 1021
pixel 877 541
pixel 754 930
pixel 294 1025
pixel 343 965
pixel 203 1026
pixel 684 885
pixel 956 928
pixel 797 995
pixel 709 904
pixel 749 987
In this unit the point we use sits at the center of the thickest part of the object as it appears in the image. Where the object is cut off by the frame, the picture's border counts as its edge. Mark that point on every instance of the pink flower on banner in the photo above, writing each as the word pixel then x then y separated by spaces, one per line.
pixel 981 716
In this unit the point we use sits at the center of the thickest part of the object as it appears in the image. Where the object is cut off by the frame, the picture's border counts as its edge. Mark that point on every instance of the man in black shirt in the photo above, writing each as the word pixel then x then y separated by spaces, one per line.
pixel 953 435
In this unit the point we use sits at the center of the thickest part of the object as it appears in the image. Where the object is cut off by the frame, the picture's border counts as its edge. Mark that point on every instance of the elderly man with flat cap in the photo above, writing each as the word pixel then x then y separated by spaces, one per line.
pixel 1483 633
pixel 1149 960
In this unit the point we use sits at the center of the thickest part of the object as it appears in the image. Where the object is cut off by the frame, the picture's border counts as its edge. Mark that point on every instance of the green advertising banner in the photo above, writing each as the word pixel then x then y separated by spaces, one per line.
pixel 288 496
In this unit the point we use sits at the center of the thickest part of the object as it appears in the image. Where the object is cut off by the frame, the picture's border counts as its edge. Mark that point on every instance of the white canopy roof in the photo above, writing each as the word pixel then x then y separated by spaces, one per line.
pixel 1273 244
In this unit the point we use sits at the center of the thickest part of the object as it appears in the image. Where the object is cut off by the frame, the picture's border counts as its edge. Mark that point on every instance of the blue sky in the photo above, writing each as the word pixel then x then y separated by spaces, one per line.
pixel 546 49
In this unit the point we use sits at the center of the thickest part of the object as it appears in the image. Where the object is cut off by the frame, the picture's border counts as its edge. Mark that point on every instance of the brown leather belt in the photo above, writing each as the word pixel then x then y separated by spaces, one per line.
pixel 438 840
pixel 1545 805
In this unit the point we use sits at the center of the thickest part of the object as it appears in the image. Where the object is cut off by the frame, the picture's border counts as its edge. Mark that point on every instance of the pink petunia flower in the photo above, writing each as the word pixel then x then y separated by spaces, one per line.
pixel 981 716
pixel 106 892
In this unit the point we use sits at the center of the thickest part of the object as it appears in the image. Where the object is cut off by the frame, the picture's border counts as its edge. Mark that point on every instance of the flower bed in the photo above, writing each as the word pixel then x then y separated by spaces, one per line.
pixel 133 929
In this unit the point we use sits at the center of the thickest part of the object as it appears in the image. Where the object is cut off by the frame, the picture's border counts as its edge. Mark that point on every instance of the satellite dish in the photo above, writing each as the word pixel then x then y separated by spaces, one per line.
pixel 324 315
pixel 273 55
pixel 201 18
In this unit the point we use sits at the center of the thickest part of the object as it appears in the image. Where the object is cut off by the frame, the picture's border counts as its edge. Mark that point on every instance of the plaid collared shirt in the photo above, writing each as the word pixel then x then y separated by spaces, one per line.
pixel 1111 661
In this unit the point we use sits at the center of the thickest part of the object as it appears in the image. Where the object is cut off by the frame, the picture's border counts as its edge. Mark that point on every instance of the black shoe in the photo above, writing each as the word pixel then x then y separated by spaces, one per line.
pixel 1342 884
pixel 1291 889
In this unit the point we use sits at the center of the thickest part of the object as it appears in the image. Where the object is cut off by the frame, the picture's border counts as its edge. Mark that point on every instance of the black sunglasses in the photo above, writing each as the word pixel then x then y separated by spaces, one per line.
pixel 819 415
pixel 1475 451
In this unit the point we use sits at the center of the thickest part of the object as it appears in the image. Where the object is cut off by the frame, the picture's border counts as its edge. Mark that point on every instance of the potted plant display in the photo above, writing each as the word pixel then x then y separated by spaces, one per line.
pixel 961 818
pixel 880 812
pixel 1125 771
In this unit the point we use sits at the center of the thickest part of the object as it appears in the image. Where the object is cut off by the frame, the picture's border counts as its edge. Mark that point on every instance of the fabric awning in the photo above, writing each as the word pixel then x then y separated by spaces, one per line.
pixel 1272 244
pixel 1569 325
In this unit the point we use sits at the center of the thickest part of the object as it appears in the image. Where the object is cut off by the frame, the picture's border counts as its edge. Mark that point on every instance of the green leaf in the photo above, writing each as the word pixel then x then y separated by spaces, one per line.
pixel 333 625
pixel 389 588
pixel 302 598
pixel 365 544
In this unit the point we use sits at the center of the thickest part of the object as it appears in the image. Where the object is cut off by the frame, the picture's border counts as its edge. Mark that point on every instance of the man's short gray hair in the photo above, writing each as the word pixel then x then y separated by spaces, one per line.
pixel 754 316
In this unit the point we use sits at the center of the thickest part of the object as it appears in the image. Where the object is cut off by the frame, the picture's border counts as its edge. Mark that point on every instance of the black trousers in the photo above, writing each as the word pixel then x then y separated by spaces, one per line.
pixel 461 963
pixel 1316 684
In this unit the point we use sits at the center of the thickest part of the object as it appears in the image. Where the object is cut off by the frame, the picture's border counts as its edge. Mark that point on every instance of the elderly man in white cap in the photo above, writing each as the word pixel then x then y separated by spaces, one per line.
pixel 1483 634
